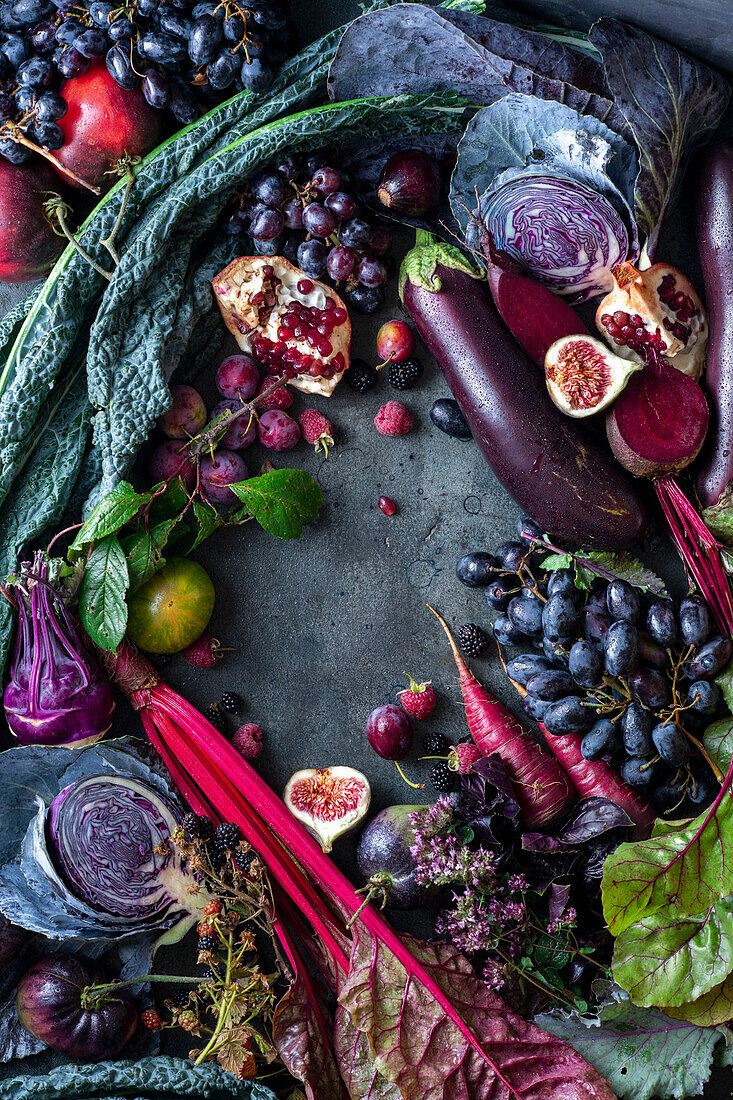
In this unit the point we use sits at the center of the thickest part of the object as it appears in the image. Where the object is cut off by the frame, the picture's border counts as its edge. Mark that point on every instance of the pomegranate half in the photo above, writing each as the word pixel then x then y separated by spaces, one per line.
pixel 288 322
pixel 656 310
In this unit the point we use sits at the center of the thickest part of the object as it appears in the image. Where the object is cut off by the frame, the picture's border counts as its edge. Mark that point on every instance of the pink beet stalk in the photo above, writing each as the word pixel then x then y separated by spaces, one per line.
pixel 542 787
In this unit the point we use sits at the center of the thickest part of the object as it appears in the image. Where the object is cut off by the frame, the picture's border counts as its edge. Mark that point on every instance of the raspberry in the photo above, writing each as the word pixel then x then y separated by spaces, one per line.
pixel 316 429
pixel 208 943
pixel 394 419
pixel 189 1021
pixel 229 702
pixel 387 505
pixel 248 741
pixel 361 376
pixel 403 376
pixel 227 835
pixel 472 640
pixel 218 720
pixel 461 757
pixel 442 778
pixel 150 1019
pixel 435 744
pixel 281 398
pixel 206 928
pixel 204 652
pixel 213 908
pixel 418 700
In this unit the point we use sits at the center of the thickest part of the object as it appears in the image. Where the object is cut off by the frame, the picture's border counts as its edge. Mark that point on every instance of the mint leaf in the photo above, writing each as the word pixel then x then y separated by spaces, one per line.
pixel 116 509
pixel 102 604
pixel 281 501
pixel 640 1051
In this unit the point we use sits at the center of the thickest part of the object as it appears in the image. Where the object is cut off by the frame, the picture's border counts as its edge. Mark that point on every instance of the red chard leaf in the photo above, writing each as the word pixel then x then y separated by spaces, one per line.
pixel 362 1078
pixel 301 1032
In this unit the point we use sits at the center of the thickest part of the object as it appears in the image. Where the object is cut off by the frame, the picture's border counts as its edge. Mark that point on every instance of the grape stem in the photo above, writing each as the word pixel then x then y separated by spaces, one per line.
pixel 55 207
pixel 14 134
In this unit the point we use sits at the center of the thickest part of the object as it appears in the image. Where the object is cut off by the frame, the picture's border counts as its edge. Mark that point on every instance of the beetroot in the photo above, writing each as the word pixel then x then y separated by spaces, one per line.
pixel 28 244
pixel 104 122
pixel 658 424
pixel 556 472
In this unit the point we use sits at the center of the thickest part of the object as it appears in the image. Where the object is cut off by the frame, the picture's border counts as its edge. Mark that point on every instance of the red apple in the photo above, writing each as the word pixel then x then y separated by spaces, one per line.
pixel 103 123
pixel 28 244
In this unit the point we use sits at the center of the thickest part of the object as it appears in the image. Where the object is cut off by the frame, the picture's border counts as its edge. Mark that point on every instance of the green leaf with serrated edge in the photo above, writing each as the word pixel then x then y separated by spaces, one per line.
pixel 619 563
pixel 119 506
pixel 102 604
pixel 641 1052
pixel 207 518
pixel 710 1010
pixel 421 262
pixel 557 561
pixel 169 503
pixel 281 501
pixel 666 960
pixel 689 869
pixel 144 551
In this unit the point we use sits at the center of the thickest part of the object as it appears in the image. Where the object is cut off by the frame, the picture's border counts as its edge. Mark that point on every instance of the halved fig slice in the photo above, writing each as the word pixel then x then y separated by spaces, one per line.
pixel 329 801
pixel 655 310
pixel 583 376
pixel 288 322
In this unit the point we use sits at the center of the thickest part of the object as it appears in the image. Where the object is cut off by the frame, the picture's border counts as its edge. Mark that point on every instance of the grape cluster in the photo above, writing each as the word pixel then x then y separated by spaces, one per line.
pixel 299 208
pixel 629 672
pixel 181 55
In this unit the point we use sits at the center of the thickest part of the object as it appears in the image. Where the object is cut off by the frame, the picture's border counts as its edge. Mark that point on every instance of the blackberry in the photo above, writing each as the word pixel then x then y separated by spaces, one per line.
pixel 227 836
pixel 404 375
pixel 442 778
pixel 435 744
pixel 197 828
pixel 180 998
pixel 215 855
pixel 208 943
pixel 361 376
pixel 229 702
pixel 472 640
pixel 217 719
pixel 244 859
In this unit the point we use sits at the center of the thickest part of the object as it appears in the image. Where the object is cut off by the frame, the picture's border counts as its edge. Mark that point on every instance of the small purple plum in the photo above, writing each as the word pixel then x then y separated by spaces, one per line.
pixel 389 732
pixel 169 460
pixel 186 416
pixel 278 431
pixel 237 377
pixel 219 472
pixel 242 432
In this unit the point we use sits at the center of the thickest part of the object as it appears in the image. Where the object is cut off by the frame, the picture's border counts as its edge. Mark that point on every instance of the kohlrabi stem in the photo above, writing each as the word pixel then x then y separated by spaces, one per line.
pixel 60 534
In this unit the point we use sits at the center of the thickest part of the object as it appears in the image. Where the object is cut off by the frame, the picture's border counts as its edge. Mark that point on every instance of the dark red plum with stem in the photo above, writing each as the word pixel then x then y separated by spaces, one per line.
pixel 187 414
pixel 278 431
pixel 389 732
pixel 241 432
pixel 170 460
pixel 218 472
pixel 395 341
pixel 237 377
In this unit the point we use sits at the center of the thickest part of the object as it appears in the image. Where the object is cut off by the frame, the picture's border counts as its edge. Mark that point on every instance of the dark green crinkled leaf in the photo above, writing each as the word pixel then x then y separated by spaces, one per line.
pixel 619 563
pixel 161 1078
pixel 102 606
pixel 671 102
pixel 640 1051
pixel 121 504
pixel 281 501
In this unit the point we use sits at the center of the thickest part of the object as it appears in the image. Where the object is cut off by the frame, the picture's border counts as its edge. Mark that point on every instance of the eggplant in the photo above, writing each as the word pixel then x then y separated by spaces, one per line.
pixel 385 861
pixel 715 245
pixel 557 472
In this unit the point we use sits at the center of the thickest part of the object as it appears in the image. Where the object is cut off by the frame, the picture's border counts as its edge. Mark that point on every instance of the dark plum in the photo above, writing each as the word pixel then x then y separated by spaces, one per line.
pixel 651 687
pixel 708 659
pixel 383 858
pixel 622 601
pixel 526 665
pixel 601 740
pixel 237 377
pixel 696 622
pixel 241 432
pixel 559 618
pixel 705 698
pixel 389 732
pixel 671 744
pixel 568 715
pixel 187 414
pixel 535 708
pixel 476 570
pixel 218 472
pixel 169 461
pixel 586 664
pixel 550 684
pixel 500 591
pixel 661 623
pixel 525 613
pixel 511 555
pixel 636 730
pixel 447 416
pixel 621 649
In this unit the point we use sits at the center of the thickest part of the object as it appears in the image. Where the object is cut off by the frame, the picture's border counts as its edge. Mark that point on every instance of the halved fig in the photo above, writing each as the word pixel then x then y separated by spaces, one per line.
pixel 655 310
pixel 288 322
pixel 658 424
pixel 329 801
pixel 583 376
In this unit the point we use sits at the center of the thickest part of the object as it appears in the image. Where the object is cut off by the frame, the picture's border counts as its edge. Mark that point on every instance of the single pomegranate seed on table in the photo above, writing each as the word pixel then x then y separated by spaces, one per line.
pixel 387 505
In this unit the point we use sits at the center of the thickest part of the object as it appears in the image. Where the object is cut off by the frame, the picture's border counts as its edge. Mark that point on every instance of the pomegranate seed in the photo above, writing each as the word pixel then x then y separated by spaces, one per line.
pixel 678 299
pixel 328 371
pixel 284 333
pixel 627 331
pixel 305 286
pixel 620 317
pixel 289 372
pixel 325 347
pixel 330 305
pixel 636 320
pixel 315 369
pixel 290 356
pixel 387 505
pixel 324 329
pixel 606 319
pixel 339 316
pixel 312 339
pixel 268 270
pixel 258 298
pixel 338 361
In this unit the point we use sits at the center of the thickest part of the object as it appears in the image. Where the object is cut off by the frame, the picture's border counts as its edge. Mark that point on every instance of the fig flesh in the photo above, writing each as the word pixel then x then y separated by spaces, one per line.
pixel 583 376
pixel 291 324
pixel 385 862
pixel 329 801
pixel 655 310
pixel 658 424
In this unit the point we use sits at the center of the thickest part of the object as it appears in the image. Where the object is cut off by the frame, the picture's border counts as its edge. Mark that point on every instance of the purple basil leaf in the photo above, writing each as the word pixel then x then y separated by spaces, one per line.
pixel 541 842
pixel 558 900
pixel 591 818
pixel 670 101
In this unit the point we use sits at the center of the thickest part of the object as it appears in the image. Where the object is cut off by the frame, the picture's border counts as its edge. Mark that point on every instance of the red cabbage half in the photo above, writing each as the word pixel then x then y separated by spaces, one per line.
pixel 57 694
